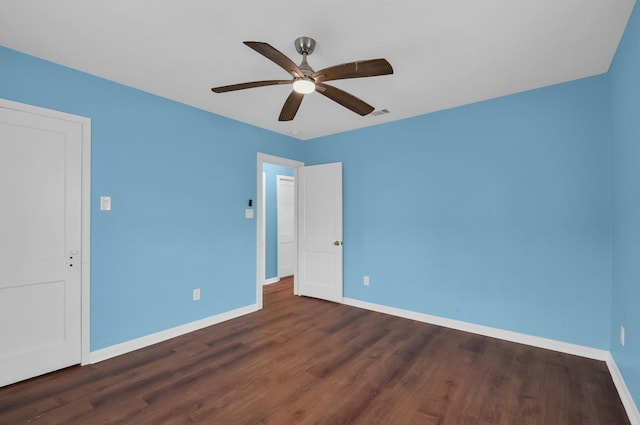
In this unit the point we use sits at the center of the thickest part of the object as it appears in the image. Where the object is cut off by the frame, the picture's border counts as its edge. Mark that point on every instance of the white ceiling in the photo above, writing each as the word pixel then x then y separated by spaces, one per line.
pixel 445 53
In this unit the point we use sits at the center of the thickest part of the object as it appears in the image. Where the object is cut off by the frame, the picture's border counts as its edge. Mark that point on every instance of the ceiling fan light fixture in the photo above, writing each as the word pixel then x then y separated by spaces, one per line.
pixel 306 80
pixel 304 86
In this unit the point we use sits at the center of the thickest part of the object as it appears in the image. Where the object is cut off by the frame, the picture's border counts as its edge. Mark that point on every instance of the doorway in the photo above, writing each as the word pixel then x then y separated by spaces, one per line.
pixel 265 161
pixel 279 221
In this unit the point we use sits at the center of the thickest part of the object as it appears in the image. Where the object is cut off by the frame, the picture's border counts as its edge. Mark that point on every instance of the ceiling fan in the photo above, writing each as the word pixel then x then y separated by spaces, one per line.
pixel 306 80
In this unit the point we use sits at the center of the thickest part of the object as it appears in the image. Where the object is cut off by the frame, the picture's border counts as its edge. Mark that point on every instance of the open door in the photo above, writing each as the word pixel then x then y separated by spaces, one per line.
pixel 40 246
pixel 320 231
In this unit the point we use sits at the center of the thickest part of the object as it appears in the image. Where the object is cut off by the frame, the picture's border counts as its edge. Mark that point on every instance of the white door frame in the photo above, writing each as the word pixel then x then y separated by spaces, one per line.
pixel 264 158
pixel 86 210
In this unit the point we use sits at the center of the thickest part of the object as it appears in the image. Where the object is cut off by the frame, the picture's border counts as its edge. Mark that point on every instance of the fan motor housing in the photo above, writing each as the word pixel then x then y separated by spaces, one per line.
pixel 305 45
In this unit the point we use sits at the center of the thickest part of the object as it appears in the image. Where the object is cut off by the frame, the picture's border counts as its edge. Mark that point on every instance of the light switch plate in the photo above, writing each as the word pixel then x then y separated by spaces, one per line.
pixel 248 213
pixel 105 203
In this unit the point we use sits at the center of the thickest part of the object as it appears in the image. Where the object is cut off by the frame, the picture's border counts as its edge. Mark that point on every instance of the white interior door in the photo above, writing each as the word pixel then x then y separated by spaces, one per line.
pixel 320 231
pixel 285 194
pixel 40 246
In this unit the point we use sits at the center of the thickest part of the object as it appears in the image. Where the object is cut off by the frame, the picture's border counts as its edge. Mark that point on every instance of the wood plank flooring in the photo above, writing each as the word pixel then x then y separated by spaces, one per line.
pixel 307 361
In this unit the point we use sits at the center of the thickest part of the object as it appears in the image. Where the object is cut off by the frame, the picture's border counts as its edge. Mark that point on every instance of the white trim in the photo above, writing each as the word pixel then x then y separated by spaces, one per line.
pixel 623 391
pixel 264 158
pixel 262 216
pixel 147 340
pixel 86 242
pixel 86 212
pixel 535 341
pixel 272 280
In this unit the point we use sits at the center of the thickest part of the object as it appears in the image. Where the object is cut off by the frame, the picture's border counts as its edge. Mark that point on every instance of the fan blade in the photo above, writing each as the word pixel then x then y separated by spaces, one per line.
pixel 242 86
pixel 345 99
pixel 367 68
pixel 276 56
pixel 291 105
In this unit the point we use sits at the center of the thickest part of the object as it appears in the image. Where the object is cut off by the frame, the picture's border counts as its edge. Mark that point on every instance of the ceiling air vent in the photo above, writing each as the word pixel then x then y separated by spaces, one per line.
pixel 380 112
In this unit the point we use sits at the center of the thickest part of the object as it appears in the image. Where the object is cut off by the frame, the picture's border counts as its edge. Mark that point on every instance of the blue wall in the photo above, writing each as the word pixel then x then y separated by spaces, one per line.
pixel 180 179
pixel 271 216
pixel 624 83
pixel 497 213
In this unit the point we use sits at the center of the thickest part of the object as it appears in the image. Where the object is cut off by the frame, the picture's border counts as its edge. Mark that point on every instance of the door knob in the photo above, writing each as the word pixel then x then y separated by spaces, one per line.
pixel 337 243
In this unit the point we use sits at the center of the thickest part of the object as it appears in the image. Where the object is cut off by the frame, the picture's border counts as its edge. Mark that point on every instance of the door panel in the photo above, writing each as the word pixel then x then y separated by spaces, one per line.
pixel 20 302
pixel 320 231
pixel 40 268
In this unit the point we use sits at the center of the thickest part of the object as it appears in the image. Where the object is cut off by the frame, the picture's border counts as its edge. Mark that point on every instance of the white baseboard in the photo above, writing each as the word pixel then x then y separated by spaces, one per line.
pixel 145 341
pixel 550 344
pixel 623 391
pixel 272 280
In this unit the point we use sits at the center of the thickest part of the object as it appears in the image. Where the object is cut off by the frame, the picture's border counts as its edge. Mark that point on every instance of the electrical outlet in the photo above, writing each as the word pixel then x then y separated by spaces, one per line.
pixel 196 294
pixel 365 281
pixel 622 335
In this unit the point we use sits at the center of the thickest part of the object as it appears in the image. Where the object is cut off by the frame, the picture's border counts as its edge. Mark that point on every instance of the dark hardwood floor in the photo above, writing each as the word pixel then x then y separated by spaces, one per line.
pixel 307 361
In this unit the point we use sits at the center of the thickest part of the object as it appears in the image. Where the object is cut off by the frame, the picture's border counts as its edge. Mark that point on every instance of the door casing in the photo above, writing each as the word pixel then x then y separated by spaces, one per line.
pixel 264 158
